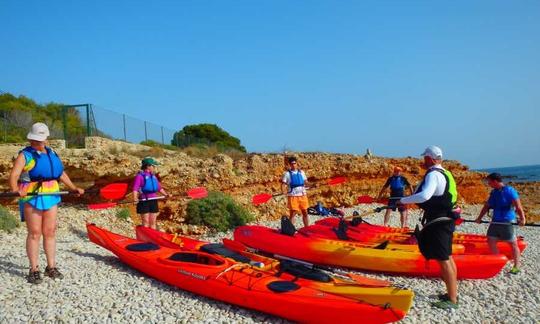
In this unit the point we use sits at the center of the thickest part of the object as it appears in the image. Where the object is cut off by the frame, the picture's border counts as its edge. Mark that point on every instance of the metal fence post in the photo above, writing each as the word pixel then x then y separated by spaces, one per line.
pixel 64 122
pixel 124 120
pixel 145 132
pixel 88 130
pixel 162 138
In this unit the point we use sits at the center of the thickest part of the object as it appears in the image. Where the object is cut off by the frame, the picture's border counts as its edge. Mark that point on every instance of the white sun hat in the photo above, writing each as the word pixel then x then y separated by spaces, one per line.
pixel 38 132
pixel 434 152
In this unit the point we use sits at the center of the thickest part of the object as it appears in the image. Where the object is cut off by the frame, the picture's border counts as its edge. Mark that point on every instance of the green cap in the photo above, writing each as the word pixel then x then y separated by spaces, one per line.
pixel 149 161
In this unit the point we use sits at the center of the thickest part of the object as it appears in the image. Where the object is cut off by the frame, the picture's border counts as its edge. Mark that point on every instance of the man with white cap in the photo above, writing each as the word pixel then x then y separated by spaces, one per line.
pixel 38 169
pixel 437 196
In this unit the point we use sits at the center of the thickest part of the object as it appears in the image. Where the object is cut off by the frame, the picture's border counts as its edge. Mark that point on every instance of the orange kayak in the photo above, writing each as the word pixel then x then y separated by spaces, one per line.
pixel 241 284
pixel 472 243
pixel 356 256
pixel 389 240
pixel 361 288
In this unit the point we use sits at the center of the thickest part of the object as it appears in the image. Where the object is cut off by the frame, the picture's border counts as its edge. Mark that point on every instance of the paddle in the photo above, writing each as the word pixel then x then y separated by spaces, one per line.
pixel 111 191
pixel 194 193
pixel 370 200
pixel 264 197
pixel 356 279
pixel 459 221
pixel 366 213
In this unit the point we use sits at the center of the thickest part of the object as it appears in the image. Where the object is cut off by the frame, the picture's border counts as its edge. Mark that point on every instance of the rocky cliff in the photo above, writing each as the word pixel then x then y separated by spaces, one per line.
pixel 104 161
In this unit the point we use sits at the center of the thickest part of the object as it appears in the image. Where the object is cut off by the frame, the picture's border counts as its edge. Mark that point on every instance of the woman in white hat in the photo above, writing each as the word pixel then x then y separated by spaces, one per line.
pixel 37 169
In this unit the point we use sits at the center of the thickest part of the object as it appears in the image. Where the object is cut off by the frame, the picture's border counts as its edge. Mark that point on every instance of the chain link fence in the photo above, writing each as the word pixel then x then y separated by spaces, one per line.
pixel 74 122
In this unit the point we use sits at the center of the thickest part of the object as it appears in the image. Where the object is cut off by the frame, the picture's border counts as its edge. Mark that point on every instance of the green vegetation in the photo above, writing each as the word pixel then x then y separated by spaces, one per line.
pixel 8 222
pixel 17 114
pixel 207 135
pixel 217 211
pixel 153 143
pixel 123 214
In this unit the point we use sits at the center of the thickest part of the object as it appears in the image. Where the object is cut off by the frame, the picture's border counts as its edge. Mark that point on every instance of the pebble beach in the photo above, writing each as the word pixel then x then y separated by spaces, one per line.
pixel 98 288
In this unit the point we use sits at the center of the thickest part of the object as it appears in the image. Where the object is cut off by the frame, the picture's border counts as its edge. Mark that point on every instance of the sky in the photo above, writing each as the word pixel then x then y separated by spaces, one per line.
pixel 333 76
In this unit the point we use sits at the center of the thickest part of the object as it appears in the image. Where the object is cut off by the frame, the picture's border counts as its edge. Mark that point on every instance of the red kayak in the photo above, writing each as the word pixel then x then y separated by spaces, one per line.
pixel 363 232
pixel 369 290
pixel 353 255
pixel 240 284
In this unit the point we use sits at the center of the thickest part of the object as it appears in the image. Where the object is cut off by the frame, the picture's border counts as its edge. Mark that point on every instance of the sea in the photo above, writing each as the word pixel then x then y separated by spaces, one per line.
pixel 526 173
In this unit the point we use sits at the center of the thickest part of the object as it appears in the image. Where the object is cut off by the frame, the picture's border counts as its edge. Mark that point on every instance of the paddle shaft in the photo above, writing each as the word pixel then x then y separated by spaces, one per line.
pixel 16 194
pixel 499 223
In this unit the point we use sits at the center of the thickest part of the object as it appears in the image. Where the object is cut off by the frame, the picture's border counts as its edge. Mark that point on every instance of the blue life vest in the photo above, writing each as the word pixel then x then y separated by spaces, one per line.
pixel 47 166
pixel 397 183
pixel 297 180
pixel 150 183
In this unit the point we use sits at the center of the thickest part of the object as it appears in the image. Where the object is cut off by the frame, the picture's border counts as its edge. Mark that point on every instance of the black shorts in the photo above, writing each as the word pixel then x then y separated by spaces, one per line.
pixel 147 206
pixel 393 205
pixel 435 241
pixel 502 232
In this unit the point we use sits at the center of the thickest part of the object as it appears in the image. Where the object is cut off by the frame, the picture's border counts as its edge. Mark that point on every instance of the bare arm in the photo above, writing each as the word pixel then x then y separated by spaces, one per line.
pixel 520 212
pixel 483 212
pixel 382 191
pixel 284 188
pixel 15 173
pixel 64 178
pixel 411 189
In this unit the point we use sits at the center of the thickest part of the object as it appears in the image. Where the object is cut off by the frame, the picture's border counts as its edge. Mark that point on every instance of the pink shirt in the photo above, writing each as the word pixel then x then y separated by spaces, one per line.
pixel 139 182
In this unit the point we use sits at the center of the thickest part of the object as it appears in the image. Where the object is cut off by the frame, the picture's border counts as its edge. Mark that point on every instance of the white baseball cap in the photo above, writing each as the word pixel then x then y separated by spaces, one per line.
pixel 39 132
pixel 434 152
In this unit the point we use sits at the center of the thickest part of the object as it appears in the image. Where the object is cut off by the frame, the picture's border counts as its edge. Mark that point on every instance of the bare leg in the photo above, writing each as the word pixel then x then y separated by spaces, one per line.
pixel 404 215
pixel 387 217
pixel 48 229
pixel 305 218
pixel 515 253
pixel 449 276
pixel 152 220
pixel 145 220
pixel 33 225
pixel 492 243
pixel 292 212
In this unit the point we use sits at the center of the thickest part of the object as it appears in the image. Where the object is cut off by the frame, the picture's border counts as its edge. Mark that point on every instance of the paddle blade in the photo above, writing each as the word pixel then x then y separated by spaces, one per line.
pixel 337 180
pixel 383 201
pixel 371 282
pixel 261 198
pixel 114 191
pixel 102 206
pixel 197 193
pixel 365 200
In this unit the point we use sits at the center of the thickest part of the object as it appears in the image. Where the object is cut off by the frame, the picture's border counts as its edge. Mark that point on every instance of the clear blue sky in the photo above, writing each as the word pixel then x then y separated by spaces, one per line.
pixel 338 76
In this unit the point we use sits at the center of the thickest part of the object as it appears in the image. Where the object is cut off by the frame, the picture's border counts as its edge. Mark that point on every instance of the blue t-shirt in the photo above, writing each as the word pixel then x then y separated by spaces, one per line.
pixel 501 200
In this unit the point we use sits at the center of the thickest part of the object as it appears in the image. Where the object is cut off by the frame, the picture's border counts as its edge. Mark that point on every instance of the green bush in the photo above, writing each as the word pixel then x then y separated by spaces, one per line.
pixel 209 135
pixel 123 214
pixel 8 222
pixel 217 211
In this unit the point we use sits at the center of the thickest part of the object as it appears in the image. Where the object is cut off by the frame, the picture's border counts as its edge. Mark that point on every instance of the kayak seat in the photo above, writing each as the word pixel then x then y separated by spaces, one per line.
pixel 195 258
pixel 282 286
pixel 341 230
pixel 220 249
pixel 301 271
pixel 287 227
pixel 142 247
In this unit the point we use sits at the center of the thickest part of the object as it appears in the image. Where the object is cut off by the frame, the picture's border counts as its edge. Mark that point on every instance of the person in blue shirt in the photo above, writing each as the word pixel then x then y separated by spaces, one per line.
pixel 397 184
pixel 504 200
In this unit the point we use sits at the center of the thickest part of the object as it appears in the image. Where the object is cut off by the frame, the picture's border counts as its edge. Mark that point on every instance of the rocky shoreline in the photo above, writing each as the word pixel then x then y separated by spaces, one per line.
pixel 98 288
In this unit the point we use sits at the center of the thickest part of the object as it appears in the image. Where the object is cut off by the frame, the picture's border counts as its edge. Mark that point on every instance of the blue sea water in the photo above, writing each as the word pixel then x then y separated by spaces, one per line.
pixel 517 174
